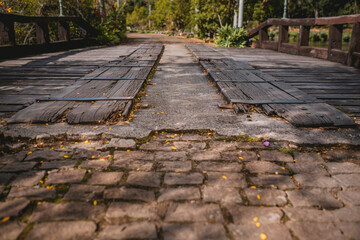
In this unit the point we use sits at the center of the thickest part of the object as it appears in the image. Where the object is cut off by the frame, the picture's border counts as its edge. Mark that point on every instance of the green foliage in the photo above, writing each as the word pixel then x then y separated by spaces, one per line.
pixel 346 37
pixel 314 36
pixel 231 37
pixel 323 35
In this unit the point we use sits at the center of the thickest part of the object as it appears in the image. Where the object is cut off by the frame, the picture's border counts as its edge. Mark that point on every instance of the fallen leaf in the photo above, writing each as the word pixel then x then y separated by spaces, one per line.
pixel 5 219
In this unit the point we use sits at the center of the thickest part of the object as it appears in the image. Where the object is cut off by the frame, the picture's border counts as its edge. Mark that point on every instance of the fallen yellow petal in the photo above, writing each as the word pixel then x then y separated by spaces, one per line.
pixel 66 156
pixel 258 224
pixel 5 219
pixel 177 123
pixel 263 236
pixel 224 177
pixel 29 153
pixel 256 219
pixel 253 187
pixel 173 148
pixel 95 203
pixel 241 158
pixel 258 197
pixel 86 141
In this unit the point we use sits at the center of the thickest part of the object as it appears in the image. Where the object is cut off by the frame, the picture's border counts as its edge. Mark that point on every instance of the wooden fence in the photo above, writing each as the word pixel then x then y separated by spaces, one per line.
pixel 9 47
pixel 332 53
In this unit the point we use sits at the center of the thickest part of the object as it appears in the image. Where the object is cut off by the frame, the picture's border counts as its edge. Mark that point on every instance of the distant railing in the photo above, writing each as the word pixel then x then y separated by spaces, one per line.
pixel 8 37
pixel 332 53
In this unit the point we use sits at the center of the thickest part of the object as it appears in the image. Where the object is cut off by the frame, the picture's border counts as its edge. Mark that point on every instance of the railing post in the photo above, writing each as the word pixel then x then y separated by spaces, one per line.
pixel 354 44
pixel 283 35
pixel 7 33
pixel 263 36
pixel 42 33
pixel 64 31
pixel 304 35
pixel 335 38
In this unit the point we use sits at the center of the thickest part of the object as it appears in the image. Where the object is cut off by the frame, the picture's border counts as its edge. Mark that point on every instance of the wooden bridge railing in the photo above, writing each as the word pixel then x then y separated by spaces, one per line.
pixel 332 53
pixel 9 47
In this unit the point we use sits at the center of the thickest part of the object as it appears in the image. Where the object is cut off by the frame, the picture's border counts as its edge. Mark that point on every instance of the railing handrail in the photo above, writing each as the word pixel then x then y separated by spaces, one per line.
pixel 345 19
pixel 332 53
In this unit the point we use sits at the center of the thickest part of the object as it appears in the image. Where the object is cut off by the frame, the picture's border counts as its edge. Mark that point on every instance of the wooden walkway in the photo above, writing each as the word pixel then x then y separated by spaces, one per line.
pixel 246 87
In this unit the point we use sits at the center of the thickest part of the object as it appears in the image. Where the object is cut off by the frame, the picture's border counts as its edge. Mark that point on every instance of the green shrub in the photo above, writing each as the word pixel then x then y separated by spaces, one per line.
pixel 324 36
pixel 314 36
pixel 346 37
pixel 231 37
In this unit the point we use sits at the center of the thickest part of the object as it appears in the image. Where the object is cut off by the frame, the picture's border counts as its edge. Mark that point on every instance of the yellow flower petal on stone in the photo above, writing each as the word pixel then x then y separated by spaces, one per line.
pixel 253 187
pixel 46 124
pixel 256 219
pixel 95 203
pixel 258 224
pixel 86 141
pixel 29 153
pixel 224 177
pixel 66 156
pixel 5 219
pixel 92 156
pixel 128 150
pixel 283 168
pixel 258 197
pixel 173 148
pixel 241 158
pixel 263 236
pixel 177 123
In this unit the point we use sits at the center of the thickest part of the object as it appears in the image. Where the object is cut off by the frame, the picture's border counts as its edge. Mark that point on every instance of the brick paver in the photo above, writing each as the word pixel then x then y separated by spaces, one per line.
pixel 188 186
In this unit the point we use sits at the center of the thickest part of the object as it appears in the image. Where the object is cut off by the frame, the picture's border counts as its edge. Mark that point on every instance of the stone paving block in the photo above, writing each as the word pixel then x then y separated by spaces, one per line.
pixel 84 192
pixel 273 181
pixel 120 143
pixel 265 167
pixel 11 230
pixel 348 181
pixel 129 194
pixel 156 146
pixel 46 155
pixel 66 176
pixel 275 156
pixel 132 165
pixel 58 164
pixel 187 212
pixel 309 215
pixel 205 156
pixel 219 167
pixel 226 179
pixel 183 178
pixel 137 155
pixel 82 153
pixel 350 230
pixel 316 181
pixel 105 178
pixel 62 230
pixel 194 231
pixel 194 137
pixel 347 214
pixel 67 211
pixel 314 230
pixel 342 168
pixel 18 167
pixel 28 179
pixel 250 145
pixel 313 198
pixel 140 230
pixel 239 156
pixel 342 155
pixel 132 210
pixel 144 179
pixel 5 178
pixel 12 208
pixel 308 157
pixel 221 194
pixel 178 194
pixel 350 198
pixel 252 232
pixel 32 193
pixel 17 157
pixel 222 146
pixel 171 166
pixel 245 215
pixel 267 197
pixel 190 146
pixel 95 164
pixel 307 167
pixel 170 156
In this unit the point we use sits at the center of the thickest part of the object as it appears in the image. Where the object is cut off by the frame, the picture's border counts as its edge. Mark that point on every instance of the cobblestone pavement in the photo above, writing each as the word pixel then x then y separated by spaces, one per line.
pixel 178 186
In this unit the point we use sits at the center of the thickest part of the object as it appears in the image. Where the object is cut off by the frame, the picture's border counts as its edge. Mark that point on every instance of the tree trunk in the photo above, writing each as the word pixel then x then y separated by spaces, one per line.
pixel 102 10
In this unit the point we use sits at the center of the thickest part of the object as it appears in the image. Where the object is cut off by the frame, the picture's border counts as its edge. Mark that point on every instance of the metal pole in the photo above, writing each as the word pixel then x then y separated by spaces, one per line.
pixel 61 7
pixel 285 8
pixel 241 13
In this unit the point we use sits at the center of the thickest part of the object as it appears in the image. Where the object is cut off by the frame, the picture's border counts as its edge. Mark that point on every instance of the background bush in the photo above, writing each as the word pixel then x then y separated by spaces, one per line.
pixel 231 37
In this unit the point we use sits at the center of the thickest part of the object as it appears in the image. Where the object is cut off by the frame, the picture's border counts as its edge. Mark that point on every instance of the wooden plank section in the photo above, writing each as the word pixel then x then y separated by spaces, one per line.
pixel 237 80
pixel 93 85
